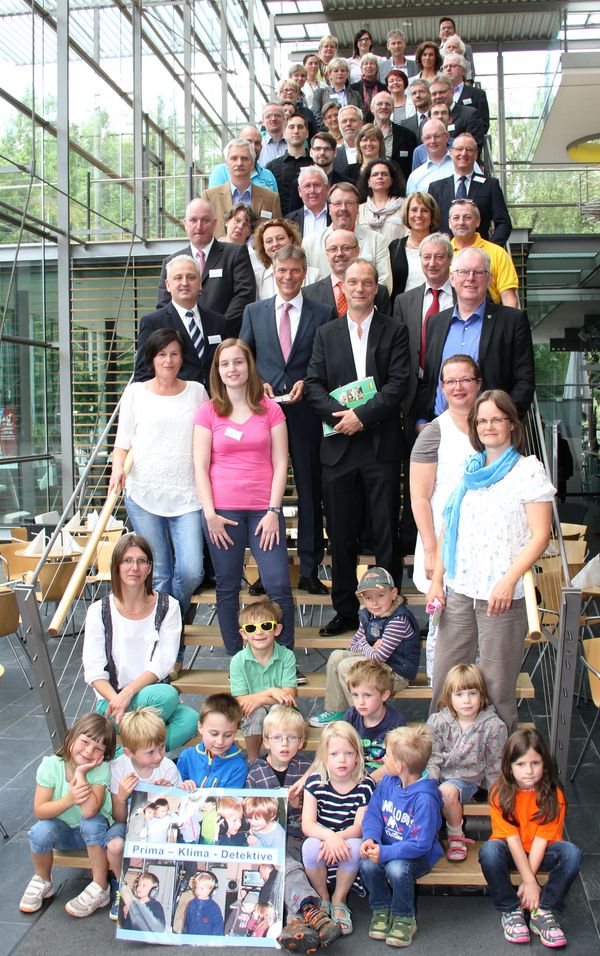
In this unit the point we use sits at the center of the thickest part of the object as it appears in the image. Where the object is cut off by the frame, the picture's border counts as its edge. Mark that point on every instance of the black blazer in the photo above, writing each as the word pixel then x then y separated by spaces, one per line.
pixel 297 216
pixel 464 119
pixel 490 201
pixel 505 357
pixel 358 86
pixel 404 143
pixel 476 98
pixel 349 172
pixel 399 266
pixel 325 94
pixel 228 293
pixel 259 331
pixel 412 124
pixel 322 291
pixel 408 309
pixel 192 370
pixel 332 365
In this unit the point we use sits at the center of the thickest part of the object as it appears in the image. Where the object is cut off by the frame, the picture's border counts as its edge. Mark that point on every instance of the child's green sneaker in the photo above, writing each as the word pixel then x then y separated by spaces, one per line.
pixel 401 931
pixel 380 924
pixel 327 717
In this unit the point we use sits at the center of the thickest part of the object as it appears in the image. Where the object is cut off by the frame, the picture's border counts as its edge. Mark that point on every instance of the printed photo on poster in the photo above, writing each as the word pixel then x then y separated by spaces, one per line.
pixel 203 867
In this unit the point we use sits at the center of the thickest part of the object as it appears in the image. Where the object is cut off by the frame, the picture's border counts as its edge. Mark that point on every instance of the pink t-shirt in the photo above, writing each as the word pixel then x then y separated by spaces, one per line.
pixel 241 471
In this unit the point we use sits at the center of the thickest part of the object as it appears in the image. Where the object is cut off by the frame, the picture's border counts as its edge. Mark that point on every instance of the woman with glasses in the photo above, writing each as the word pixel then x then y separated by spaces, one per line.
pixel 437 463
pixel 131 643
pixel 156 421
pixel 241 466
pixel 496 526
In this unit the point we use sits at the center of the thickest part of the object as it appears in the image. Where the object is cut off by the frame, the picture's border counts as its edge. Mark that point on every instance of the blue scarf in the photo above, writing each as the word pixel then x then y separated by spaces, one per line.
pixel 477 475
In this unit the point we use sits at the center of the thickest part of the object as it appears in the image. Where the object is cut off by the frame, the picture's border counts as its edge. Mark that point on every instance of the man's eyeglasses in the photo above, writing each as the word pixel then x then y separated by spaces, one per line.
pixel 465 273
pixel 265 626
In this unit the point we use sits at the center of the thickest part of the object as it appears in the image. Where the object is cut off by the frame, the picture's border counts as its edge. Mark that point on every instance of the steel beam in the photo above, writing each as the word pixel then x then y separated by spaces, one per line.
pixel 564 678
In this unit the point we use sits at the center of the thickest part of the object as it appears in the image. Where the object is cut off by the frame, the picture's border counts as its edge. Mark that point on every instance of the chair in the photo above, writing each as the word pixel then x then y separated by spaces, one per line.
pixel 18 534
pixel 18 564
pixel 573 531
pixel 590 660
pixel 10 624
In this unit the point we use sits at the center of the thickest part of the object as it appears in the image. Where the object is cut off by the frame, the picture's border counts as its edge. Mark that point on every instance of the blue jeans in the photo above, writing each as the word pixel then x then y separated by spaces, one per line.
pixel 181 721
pixel 273 568
pixel 562 861
pixel 177 550
pixel 55 834
pixel 392 885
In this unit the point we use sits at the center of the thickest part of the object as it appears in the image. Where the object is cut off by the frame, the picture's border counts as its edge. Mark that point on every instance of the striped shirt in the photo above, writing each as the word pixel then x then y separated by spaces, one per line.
pixel 393 634
pixel 261 776
pixel 337 811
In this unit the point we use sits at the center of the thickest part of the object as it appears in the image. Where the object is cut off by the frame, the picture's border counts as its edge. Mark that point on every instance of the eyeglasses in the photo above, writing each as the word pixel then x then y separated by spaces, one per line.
pixel 265 626
pixel 465 273
pixel 483 422
pixel 137 562
pixel 343 203
pixel 279 738
pixel 345 249
pixel 453 382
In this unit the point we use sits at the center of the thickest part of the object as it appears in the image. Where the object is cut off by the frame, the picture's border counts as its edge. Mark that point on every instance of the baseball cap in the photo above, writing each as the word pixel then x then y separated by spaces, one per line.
pixel 377 579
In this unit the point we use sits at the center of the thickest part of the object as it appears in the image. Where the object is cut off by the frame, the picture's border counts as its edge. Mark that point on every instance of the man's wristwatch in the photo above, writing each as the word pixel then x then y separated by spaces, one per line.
pixel 276 511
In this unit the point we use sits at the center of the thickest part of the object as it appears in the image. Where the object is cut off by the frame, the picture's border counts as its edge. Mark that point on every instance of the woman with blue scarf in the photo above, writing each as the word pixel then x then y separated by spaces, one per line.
pixel 496 525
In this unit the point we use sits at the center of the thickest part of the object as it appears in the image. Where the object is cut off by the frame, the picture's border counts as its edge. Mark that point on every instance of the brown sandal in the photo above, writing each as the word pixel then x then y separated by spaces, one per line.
pixel 457 848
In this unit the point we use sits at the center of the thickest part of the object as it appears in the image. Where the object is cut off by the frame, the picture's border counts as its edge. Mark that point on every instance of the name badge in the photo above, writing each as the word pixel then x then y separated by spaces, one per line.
pixel 214 339
pixel 402 152
pixel 467 102
pixel 233 433
pixel 266 214
pixel 451 127
pixel 215 274
pixel 479 179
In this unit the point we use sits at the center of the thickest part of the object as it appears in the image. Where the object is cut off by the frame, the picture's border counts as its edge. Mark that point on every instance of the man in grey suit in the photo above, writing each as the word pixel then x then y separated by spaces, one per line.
pixel 421 98
pixel 280 331
pixel 341 247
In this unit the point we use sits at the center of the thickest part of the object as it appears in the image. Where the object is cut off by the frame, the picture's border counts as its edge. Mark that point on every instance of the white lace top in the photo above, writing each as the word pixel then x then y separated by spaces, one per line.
pixel 159 429
pixel 493 528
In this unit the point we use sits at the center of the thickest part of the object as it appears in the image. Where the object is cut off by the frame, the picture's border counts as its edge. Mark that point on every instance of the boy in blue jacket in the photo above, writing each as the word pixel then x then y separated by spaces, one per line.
pixel 217 761
pixel 400 835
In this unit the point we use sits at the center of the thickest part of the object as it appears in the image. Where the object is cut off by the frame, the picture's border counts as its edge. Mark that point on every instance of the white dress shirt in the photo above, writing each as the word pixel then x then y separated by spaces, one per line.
pixel 181 309
pixel 359 345
pixel 446 298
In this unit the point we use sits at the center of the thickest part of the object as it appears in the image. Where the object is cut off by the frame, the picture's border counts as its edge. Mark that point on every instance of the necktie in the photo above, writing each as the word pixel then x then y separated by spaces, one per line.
pixel 285 331
pixel 201 260
pixel 195 333
pixel 340 299
pixel 433 309
pixel 461 192
pixel 422 121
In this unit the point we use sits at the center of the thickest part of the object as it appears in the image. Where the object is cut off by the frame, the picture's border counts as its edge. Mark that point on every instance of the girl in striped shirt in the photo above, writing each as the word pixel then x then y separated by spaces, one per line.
pixel 336 795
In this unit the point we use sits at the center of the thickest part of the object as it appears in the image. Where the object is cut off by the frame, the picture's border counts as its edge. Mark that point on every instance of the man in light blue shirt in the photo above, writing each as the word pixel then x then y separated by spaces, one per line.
pixel 439 163
pixel 260 176
pixel 273 143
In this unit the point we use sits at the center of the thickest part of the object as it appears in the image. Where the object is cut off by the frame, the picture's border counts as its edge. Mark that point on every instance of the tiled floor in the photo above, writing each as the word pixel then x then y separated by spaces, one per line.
pixel 24 740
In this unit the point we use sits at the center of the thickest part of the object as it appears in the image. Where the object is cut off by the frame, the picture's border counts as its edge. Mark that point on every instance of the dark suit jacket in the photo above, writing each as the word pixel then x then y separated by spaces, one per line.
pixel 505 357
pixel 476 98
pixel 259 330
pixel 490 201
pixel 228 293
pixel 325 94
pixel 322 291
pixel 404 143
pixel 297 216
pixel 464 119
pixel 332 365
pixel 192 370
pixel 399 266
pixel 349 172
pixel 412 124
pixel 408 309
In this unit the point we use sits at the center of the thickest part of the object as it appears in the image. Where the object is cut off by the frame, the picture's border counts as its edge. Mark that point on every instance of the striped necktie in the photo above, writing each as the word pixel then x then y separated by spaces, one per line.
pixel 461 192
pixel 195 333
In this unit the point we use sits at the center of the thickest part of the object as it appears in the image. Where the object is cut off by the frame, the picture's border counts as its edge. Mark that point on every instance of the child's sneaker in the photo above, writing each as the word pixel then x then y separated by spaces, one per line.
pixel 401 931
pixel 115 899
pixel 92 898
pixel 298 937
pixel 380 923
pixel 327 717
pixel 319 920
pixel 38 889
pixel 515 928
pixel 544 925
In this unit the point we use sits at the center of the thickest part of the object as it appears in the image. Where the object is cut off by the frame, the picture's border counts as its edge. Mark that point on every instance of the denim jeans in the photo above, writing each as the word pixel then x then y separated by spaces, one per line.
pixel 562 861
pixel 392 885
pixel 273 568
pixel 177 550
pixel 55 834
pixel 181 721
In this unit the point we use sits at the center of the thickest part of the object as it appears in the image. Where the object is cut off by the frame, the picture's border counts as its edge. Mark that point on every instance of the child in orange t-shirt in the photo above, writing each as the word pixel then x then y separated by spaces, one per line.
pixel 527 811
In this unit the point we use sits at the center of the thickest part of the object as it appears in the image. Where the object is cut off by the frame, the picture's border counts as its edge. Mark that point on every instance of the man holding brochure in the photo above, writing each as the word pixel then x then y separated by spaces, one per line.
pixel 361 459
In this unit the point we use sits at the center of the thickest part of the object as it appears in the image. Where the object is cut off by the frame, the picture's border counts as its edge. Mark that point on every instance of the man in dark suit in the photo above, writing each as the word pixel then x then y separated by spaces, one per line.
pixel 463 119
pixel 280 331
pixel 313 189
pixel 341 248
pixel 400 142
pixel 201 331
pixel 361 462
pixel 484 190
pixel 421 98
pixel 345 163
pixel 496 336
pixel 456 66
pixel 228 283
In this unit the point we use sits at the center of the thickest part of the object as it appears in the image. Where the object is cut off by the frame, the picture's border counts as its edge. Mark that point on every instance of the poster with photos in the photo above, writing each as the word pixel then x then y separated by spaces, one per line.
pixel 203 868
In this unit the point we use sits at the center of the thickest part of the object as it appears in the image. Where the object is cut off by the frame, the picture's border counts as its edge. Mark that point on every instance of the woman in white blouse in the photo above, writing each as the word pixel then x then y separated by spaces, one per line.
pixel 156 421
pixel 268 239
pixel 131 642
pixel 496 525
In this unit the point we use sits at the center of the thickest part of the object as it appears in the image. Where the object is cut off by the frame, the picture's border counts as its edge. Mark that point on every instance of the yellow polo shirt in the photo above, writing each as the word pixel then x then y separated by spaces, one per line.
pixel 504 274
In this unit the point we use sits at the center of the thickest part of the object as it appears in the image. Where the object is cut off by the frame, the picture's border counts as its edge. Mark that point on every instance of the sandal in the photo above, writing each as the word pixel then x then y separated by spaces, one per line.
pixel 326 907
pixel 343 917
pixel 457 848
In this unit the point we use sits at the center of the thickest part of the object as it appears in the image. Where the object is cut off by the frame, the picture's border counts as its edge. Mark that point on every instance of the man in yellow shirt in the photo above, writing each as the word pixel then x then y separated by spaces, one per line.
pixel 464 219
